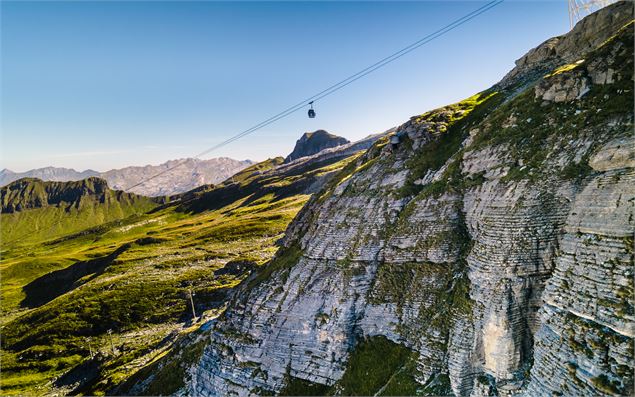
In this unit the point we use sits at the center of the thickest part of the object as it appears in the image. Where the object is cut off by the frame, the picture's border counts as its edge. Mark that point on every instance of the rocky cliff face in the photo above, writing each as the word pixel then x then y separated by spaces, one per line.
pixel 494 243
pixel 314 142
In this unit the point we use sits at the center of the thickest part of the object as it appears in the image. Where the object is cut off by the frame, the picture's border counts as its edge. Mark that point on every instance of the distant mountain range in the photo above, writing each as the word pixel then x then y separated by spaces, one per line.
pixel 56 174
pixel 189 175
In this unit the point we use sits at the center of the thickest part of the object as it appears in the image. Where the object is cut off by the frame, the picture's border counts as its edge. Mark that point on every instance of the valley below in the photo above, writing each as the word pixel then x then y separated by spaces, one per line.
pixel 105 295
pixel 483 248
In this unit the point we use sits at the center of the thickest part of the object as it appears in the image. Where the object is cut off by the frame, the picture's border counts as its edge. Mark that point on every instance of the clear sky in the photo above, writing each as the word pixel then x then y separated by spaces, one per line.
pixel 109 84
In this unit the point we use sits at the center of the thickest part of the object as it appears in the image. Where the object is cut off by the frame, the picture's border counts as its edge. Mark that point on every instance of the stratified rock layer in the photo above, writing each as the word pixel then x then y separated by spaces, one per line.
pixel 585 342
pixel 494 241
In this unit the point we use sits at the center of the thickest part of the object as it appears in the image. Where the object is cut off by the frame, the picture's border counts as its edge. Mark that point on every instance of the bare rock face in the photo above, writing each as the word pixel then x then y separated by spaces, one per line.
pixel 585 36
pixel 494 242
pixel 563 88
pixel 615 155
pixel 584 344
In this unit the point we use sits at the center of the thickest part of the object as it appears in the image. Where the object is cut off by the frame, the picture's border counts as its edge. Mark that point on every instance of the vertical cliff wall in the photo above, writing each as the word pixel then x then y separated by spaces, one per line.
pixel 489 251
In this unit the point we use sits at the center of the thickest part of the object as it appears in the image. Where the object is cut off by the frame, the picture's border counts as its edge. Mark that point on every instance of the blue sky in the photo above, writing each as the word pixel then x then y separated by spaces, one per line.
pixel 109 84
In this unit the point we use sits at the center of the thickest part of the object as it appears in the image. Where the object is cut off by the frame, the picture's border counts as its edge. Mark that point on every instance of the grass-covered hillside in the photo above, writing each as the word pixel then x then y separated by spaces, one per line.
pixel 34 210
pixel 96 285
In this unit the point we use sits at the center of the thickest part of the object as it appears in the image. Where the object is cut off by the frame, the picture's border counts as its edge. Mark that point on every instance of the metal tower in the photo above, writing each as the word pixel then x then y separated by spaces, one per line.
pixel 579 9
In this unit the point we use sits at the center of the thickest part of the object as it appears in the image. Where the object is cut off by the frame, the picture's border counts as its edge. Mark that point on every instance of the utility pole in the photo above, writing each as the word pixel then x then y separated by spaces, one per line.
pixel 90 348
pixel 192 303
pixel 112 346
pixel 578 9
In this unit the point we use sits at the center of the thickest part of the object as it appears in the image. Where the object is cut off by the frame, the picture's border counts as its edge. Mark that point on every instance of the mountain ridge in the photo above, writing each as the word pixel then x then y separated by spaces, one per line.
pixel 190 174
pixel 30 193
pixel 472 241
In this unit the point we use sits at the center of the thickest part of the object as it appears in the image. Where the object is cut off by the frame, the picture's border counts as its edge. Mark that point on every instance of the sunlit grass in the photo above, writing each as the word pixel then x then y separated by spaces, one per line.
pixel 142 293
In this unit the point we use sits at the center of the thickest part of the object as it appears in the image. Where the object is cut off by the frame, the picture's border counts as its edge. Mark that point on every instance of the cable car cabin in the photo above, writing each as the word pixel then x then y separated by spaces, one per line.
pixel 311 113
pixel 396 138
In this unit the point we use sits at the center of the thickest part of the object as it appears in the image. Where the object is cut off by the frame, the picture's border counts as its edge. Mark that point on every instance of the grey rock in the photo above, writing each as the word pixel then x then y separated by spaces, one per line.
pixel 314 142
pixel 508 274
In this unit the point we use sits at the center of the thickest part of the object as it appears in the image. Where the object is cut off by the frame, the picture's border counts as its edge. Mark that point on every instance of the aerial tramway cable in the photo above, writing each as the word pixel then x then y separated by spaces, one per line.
pixel 337 86
pixel 324 93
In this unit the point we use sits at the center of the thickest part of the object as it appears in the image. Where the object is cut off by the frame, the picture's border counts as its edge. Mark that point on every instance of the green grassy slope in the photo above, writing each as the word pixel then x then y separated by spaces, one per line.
pixel 131 275
pixel 34 210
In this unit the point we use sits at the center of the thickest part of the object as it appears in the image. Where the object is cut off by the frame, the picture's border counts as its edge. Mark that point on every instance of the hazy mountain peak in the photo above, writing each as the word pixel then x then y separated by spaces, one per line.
pixel 190 174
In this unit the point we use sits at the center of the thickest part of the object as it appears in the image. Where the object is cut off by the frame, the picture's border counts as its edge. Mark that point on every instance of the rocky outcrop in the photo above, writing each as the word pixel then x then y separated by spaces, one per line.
pixel 494 241
pixel 314 142
pixel 563 88
pixel 584 343
pixel 585 36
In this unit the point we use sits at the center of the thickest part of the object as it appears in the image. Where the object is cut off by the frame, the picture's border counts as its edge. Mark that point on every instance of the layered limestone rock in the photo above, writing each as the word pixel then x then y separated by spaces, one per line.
pixel 494 241
pixel 514 227
pixel 584 344
pixel 345 284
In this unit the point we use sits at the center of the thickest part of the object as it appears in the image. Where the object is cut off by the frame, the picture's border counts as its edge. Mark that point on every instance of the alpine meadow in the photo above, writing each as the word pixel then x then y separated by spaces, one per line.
pixel 481 248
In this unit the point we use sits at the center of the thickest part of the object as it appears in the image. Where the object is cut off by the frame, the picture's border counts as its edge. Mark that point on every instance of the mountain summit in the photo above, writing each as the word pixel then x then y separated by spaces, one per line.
pixel 314 142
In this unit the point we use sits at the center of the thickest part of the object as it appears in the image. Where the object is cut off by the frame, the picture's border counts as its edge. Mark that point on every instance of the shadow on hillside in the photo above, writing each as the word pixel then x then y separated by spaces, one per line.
pixel 81 375
pixel 48 287
pixel 258 188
